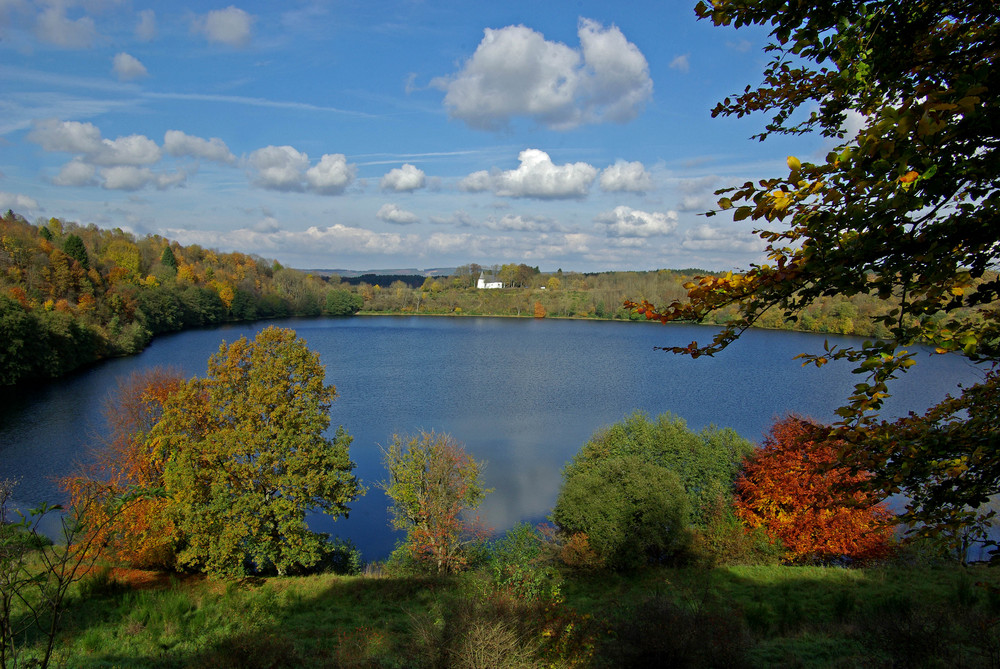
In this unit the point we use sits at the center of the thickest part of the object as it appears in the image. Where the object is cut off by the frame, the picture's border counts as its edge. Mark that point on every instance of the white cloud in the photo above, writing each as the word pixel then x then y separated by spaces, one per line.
pixel 706 237
pixel 279 167
pixel 626 176
pixel 127 67
pixel 517 223
pixel 285 169
pixel 331 175
pixel 129 150
pixel 178 143
pixel 230 26
pixel 627 222
pixel 681 63
pixel 66 136
pixel 16 201
pixel 129 178
pixel 405 178
pixel 145 30
pixel 391 213
pixel 85 139
pixel 75 173
pixel 56 28
pixel 459 219
pixel 516 72
pixel 537 176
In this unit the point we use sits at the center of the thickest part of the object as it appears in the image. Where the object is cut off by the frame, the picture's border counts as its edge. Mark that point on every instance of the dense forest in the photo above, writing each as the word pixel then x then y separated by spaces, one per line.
pixel 73 294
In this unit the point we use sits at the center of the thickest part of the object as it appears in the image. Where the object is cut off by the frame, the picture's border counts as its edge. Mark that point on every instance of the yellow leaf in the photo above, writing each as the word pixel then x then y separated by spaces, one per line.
pixel 793 163
pixel 957 290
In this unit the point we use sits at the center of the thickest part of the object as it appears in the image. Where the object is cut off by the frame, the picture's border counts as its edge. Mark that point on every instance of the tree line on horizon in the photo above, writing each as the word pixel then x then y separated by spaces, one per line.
pixel 71 295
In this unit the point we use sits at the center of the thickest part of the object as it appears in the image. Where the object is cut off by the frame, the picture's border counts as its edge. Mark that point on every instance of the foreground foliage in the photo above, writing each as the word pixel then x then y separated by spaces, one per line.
pixel 904 211
pixel 738 616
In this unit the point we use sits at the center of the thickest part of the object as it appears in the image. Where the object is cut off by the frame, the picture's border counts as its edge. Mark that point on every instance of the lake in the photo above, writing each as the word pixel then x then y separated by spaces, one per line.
pixel 522 394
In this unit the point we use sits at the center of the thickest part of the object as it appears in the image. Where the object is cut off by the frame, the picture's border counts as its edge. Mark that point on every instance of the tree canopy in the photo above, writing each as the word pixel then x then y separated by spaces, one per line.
pixel 905 209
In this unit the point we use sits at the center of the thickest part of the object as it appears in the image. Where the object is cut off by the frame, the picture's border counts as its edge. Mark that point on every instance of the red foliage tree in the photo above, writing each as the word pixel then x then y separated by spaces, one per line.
pixel 794 489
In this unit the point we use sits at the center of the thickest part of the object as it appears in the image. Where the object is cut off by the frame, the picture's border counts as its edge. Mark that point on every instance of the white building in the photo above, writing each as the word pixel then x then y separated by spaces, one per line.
pixel 490 282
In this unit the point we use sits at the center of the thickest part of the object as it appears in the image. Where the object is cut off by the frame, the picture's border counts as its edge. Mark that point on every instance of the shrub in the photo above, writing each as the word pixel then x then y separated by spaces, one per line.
pixel 632 512
pixel 706 462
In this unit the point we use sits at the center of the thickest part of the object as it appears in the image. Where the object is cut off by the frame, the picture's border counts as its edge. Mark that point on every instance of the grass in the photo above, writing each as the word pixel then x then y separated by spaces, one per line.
pixel 733 616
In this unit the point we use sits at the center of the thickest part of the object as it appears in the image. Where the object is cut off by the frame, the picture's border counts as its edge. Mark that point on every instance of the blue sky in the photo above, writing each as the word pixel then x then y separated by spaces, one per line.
pixel 359 135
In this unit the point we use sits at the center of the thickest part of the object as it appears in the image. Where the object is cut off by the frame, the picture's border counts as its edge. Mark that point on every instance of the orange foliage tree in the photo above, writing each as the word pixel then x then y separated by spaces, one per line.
pixel 793 488
pixel 123 463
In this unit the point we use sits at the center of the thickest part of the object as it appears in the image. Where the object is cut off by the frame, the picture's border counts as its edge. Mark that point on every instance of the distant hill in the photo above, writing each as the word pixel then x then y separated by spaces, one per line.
pixel 409 271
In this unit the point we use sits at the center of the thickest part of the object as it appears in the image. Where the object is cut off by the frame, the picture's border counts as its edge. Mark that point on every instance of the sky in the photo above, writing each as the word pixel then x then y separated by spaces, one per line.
pixel 396 134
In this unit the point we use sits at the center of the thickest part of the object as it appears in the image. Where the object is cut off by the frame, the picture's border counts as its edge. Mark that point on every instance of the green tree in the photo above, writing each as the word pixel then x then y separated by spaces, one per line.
pixel 905 209
pixel 432 483
pixel 247 458
pixel 343 303
pixel 168 259
pixel 74 248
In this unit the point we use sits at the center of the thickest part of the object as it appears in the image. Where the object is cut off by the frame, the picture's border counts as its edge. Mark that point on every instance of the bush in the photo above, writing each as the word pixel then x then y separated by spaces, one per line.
pixel 706 462
pixel 632 512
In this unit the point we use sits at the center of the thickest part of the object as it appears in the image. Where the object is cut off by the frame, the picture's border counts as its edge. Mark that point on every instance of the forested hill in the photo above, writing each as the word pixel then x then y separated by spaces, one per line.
pixel 71 295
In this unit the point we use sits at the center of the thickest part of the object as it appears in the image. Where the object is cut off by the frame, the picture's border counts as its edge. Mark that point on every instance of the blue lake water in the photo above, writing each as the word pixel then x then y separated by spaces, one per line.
pixel 522 394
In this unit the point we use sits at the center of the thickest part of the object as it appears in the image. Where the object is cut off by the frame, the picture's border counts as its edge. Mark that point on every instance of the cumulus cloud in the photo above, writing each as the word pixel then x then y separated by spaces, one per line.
pixel 230 26
pixel 75 173
pixel 391 213
pixel 285 169
pixel 681 63
pixel 56 28
pixel 85 139
pixel 627 222
pixel 16 201
pixel 145 30
pixel 127 67
pixel 626 176
pixel 279 167
pixel 516 72
pixel 129 178
pixel 537 176
pixel 331 175
pixel 402 179
pixel 178 143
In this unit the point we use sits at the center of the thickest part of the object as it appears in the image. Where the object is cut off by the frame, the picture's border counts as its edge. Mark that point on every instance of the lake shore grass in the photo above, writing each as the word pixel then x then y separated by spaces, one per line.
pixel 771 616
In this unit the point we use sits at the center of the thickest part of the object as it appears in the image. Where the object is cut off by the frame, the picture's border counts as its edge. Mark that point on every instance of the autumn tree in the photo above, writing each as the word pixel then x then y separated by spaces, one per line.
pixel 247 457
pixel 123 462
pixel 793 487
pixel 433 483
pixel 906 210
